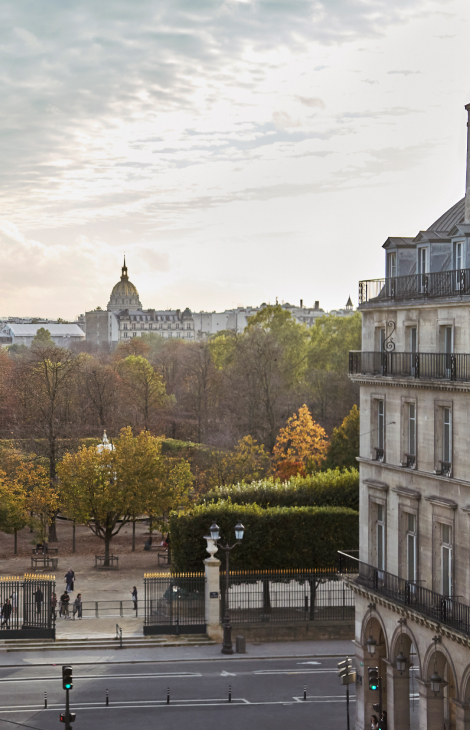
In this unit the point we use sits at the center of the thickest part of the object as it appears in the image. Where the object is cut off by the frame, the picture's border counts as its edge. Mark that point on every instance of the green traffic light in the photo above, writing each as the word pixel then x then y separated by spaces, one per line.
pixel 374 686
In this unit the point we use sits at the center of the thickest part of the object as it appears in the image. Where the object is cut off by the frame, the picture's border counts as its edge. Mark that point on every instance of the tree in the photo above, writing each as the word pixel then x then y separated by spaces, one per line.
pixel 135 346
pixel 106 489
pixel 145 387
pixel 13 511
pixel 100 385
pixel 42 337
pixel 300 447
pixel 344 444
pixel 248 462
pixel 41 497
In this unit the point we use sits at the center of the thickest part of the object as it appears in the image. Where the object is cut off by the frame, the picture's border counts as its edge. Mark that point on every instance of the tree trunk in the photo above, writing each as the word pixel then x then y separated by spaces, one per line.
pixel 133 536
pixel 107 543
pixel 16 541
pixel 53 531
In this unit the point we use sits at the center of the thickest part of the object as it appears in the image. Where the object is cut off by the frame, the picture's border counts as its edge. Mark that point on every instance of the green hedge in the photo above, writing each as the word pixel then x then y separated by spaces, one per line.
pixel 275 538
pixel 333 488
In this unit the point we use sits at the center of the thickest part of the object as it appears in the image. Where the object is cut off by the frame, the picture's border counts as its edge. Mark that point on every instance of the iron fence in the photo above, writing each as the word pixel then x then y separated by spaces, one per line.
pixel 441 608
pixel 174 603
pixel 434 365
pixel 416 286
pixel 286 595
pixel 26 607
pixel 103 609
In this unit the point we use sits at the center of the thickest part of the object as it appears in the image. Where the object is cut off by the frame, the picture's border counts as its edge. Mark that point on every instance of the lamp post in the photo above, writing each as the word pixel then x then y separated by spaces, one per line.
pixel 227 647
pixel 401 660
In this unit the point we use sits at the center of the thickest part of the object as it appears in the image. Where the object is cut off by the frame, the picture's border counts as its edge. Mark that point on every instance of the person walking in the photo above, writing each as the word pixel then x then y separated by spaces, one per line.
pixel 6 613
pixel 64 604
pixel 39 599
pixel 77 606
pixel 383 720
pixel 374 723
pixel 54 606
pixel 134 598
pixel 14 601
pixel 69 580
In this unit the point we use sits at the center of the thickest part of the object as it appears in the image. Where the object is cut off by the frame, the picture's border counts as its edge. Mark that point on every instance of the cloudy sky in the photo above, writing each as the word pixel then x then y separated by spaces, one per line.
pixel 235 150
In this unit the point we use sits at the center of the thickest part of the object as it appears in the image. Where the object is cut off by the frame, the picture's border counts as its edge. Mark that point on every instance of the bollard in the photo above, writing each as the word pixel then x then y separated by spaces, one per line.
pixel 230 693
pixel 305 692
pixel 168 696
pixel 240 644
pixel 45 700
pixel 107 698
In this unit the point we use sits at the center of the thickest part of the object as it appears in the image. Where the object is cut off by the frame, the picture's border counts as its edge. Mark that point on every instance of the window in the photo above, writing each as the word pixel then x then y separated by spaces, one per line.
pixel 392 264
pixel 188 326
pixel 134 334
pixel 125 334
pixel 380 430
pixel 133 325
pixel 177 325
pixel 380 537
pixel 411 549
pixel 423 269
pixel 413 345
pixel 446 560
pixel 410 436
pixel 125 326
pixel 150 326
pixel 447 436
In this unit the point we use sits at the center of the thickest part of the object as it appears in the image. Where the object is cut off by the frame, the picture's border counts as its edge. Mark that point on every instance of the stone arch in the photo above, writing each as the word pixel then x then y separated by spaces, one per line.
pixel 395 643
pixel 370 616
pixel 464 689
pixel 428 663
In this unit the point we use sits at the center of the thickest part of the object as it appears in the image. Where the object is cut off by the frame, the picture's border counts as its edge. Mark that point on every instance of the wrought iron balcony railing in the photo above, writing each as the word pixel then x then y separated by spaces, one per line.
pixel 416 286
pixel 435 365
pixel 434 605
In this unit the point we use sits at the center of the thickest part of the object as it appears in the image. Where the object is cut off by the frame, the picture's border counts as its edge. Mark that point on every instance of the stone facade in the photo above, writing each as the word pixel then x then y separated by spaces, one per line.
pixel 413 588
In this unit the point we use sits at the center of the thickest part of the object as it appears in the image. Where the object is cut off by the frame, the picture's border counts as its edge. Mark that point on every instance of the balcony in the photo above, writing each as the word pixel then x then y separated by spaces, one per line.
pixel 417 365
pixel 417 286
pixel 441 608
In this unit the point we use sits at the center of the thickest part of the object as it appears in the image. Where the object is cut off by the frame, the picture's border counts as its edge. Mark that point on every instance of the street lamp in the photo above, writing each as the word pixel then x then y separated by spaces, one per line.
pixel 214 531
pixel 371 645
pixel 435 679
pixel 401 659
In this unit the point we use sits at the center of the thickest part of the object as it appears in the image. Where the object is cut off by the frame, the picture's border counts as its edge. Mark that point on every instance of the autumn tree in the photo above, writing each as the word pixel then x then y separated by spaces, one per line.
pixel 106 488
pixel 42 338
pixel 300 447
pixel 144 387
pixel 100 387
pixel 41 497
pixel 247 462
pixel 344 445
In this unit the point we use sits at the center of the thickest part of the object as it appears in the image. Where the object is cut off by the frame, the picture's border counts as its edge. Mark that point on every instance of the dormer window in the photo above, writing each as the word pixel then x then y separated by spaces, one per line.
pixel 392 264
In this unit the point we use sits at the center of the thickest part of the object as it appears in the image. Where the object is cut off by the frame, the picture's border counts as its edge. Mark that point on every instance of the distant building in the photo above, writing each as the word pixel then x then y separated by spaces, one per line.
pixel 124 318
pixel 23 334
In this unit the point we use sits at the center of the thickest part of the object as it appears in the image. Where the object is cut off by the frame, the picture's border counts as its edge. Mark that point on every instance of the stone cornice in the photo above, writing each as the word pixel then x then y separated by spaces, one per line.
pixel 404 492
pixel 441 501
pixel 376 484
pixel 407 612
pixel 403 470
pixel 414 383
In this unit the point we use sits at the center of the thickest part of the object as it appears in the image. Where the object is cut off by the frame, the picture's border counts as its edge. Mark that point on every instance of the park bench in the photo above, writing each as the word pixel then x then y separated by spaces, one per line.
pixel 164 558
pixel 42 561
pixel 54 550
pixel 113 562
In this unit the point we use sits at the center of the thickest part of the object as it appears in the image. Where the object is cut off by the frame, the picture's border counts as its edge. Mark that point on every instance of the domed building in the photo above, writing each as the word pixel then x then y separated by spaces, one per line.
pixel 124 294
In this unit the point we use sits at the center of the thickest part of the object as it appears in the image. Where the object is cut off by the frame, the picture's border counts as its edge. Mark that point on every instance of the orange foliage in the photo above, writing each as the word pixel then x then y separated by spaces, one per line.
pixel 300 447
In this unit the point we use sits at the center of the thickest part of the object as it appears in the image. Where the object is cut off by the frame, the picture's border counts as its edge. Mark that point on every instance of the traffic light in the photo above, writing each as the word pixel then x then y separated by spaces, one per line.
pixel 72 716
pixel 67 679
pixel 373 678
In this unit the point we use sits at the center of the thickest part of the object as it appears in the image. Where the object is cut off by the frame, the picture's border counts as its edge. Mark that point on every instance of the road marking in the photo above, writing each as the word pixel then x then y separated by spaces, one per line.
pixel 162 675
pixel 227 674
pixel 295 671
pixel 308 662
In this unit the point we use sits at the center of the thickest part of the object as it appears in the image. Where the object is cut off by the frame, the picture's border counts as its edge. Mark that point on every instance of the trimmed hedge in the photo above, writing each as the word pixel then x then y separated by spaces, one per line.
pixel 275 538
pixel 334 488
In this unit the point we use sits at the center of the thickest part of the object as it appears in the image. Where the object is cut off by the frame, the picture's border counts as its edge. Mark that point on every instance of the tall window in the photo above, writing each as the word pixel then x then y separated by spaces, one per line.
pixel 458 255
pixel 392 264
pixel 380 537
pixel 446 560
pixel 380 424
pixel 423 268
pixel 412 429
pixel 447 436
pixel 413 345
pixel 411 549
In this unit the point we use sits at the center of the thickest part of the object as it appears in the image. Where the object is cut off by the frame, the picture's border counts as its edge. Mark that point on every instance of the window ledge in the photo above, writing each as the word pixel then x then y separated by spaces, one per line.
pixel 427 474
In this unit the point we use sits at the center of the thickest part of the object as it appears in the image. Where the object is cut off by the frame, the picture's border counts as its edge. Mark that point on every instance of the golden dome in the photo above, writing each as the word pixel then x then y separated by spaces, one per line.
pixel 124 294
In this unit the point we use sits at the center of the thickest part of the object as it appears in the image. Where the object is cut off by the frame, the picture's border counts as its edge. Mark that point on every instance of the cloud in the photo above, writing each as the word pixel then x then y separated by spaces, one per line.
pixel 404 73
pixel 284 120
pixel 311 101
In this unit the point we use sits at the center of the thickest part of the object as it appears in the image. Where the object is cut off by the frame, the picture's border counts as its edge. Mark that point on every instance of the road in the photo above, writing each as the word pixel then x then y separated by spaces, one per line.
pixel 266 694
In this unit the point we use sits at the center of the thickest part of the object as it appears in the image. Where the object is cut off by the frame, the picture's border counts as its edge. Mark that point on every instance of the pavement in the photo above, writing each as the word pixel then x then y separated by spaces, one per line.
pixel 259 692
pixel 192 653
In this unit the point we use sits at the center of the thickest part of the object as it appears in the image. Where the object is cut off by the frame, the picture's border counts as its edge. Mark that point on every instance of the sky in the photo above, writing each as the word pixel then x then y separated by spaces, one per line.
pixel 235 150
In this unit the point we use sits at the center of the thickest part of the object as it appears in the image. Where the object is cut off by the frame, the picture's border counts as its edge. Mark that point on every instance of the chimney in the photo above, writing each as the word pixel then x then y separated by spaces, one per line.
pixel 317 305
pixel 301 303
pixel 467 185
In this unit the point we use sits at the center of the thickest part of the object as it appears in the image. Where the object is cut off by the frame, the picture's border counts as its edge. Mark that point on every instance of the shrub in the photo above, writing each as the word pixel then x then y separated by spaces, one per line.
pixel 275 538
pixel 332 488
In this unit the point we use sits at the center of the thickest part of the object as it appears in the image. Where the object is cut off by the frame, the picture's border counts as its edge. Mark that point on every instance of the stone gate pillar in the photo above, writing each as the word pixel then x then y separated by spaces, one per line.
pixel 398 698
pixel 212 595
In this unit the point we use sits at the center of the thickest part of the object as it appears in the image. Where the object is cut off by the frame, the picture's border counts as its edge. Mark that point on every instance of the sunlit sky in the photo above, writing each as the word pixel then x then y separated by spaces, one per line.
pixel 236 151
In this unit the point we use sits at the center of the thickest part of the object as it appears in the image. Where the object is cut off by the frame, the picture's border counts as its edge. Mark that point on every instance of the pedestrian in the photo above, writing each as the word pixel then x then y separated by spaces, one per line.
pixel 383 720
pixel 134 598
pixel 64 604
pixel 6 613
pixel 69 580
pixel 374 723
pixel 39 598
pixel 54 606
pixel 14 601
pixel 77 606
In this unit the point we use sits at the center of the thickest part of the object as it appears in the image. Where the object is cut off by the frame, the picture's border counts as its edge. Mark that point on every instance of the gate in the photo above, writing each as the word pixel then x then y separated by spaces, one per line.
pixel 30 615
pixel 174 603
